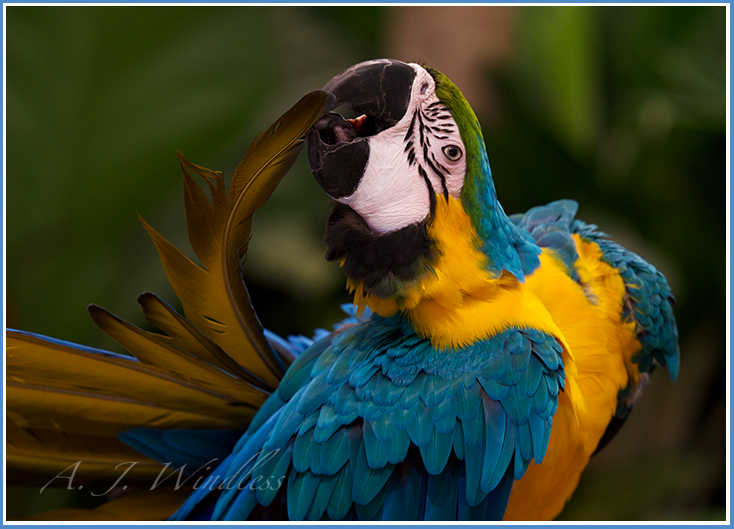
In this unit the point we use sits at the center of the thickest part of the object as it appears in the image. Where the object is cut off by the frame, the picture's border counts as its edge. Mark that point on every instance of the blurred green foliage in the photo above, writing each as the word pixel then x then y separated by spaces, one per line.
pixel 620 108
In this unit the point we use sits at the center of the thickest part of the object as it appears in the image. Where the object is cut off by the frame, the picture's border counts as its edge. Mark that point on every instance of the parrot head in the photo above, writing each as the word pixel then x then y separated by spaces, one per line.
pixel 408 174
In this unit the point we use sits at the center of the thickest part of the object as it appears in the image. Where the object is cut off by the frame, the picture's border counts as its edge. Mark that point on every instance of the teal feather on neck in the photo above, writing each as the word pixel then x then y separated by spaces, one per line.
pixel 507 247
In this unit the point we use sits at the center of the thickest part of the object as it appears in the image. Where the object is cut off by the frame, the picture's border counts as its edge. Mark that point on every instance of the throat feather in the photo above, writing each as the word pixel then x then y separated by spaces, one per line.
pixel 455 271
pixel 383 264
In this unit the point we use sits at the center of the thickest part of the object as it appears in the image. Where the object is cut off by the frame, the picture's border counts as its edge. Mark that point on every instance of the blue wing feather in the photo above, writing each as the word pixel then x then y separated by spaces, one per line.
pixel 372 510
pixel 474 463
pixel 301 491
pixel 341 498
pixel 442 493
pixel 376 455
pixel 396 448
pixel 335 451
pixel 367 482
pixel 495 421
pixel 500 495
pixel 508 447
pixel 308 422
pixel 301 451
pixel 470 509
pixel 198 497
pixel 436 452
pixel 348 418
pixel 242 506
pixel 422 425
pixel 403 494
pixel 321 498
pixel 274 472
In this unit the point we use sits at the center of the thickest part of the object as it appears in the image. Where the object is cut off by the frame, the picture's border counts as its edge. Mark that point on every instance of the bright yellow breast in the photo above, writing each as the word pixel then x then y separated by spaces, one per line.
pixel 458 303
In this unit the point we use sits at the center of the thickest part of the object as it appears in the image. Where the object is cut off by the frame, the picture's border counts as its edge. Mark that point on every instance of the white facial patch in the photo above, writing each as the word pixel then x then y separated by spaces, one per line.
pixel 421 154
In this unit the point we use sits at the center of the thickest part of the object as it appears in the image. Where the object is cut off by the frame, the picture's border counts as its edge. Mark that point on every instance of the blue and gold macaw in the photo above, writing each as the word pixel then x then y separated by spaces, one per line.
pixel 485 360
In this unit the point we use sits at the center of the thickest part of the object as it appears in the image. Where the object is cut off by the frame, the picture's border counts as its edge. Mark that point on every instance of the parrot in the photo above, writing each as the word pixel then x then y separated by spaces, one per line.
pixel 485 358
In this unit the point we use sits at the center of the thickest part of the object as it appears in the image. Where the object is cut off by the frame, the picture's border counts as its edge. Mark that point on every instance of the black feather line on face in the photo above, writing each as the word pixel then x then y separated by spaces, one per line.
pixel 421 128
pixel 383 262
pixel 409 134
pixel 435 109
pixel 437 172
pixel 431 193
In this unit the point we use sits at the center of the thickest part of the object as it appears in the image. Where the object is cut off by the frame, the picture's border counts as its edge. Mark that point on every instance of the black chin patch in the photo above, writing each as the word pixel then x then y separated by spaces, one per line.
pixel 381 261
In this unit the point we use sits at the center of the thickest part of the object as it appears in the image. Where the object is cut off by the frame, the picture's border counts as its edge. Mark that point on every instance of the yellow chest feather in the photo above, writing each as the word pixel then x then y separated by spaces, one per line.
pixel 457 303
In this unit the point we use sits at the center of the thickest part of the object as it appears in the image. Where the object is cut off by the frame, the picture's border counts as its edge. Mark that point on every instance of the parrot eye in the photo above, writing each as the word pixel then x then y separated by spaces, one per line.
pixel 452 152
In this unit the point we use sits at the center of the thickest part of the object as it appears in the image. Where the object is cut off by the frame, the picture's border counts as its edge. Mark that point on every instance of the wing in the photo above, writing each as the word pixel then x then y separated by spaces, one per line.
pixel 373 423
pixel 648 302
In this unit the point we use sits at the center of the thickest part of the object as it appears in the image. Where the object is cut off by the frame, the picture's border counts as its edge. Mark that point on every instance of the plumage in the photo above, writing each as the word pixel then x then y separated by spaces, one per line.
pixel 341 498
pixel 373 509
pixel 367 481
pixel 301 491
pixel 442 493
pixel 243 505
pixel 322 496
pixel 435 453
pixel 403 498
pixel 335 451
pixel 480 367
pixel 275 466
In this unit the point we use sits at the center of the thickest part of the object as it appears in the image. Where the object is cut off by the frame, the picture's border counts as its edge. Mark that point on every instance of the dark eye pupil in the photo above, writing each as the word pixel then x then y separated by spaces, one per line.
pixel 452 152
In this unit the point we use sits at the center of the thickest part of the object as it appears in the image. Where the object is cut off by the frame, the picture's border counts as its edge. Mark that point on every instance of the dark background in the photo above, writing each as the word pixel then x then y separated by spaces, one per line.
pixel 620 108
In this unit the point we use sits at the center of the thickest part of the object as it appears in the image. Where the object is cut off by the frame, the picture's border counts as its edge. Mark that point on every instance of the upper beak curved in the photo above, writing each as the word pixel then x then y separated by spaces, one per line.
pixel 378 88
pixel 337 152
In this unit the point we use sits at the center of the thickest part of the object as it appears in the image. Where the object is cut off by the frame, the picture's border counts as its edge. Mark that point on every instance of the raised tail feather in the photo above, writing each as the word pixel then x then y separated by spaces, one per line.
pixel 210 369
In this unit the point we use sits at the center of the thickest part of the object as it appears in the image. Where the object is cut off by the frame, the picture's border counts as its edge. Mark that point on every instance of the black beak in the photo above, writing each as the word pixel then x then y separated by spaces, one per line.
pixel 337 150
